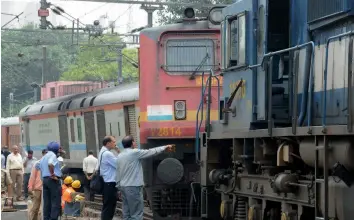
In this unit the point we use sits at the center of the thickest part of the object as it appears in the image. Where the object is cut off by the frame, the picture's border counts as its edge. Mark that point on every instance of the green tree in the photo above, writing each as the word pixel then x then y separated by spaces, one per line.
pixel 97 62
pixel 173 13
pixel 21 61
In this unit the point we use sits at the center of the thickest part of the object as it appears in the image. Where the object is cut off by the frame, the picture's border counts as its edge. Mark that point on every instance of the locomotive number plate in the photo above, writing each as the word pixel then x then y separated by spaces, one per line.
pixel 165 132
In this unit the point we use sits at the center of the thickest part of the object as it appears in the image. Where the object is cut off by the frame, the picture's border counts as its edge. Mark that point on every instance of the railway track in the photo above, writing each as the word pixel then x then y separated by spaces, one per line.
pixel 94 208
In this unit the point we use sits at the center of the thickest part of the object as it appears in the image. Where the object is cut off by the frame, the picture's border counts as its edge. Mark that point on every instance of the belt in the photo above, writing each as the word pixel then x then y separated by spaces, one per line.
pixel 110 183
pixel 49 177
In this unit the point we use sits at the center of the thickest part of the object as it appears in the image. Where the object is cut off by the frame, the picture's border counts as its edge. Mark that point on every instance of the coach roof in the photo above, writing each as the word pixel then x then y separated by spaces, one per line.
pixel 121 93
pixel 10 121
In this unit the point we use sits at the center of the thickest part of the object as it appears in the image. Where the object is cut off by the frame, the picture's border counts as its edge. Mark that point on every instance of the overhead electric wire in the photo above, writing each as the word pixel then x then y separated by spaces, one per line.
pixel 93 10
pixel 16 16
pixel 8 14
pixel 19 74
pixel 123 13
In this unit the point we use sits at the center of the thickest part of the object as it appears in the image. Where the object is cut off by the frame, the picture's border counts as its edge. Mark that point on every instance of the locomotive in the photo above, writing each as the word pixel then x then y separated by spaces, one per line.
pixel 176 61
pixel 283 147
pixel 174 64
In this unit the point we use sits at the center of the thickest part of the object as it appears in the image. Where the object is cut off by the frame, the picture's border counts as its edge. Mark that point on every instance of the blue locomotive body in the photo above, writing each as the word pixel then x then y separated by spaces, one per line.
pixel 284 145
pixel 293 79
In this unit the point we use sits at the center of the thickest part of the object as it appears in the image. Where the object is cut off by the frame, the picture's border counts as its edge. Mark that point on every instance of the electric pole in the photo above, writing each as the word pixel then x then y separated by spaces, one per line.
pixel 120 66
pixel 43 12
pixel 11 103
pixel 150 10
pixel 44 64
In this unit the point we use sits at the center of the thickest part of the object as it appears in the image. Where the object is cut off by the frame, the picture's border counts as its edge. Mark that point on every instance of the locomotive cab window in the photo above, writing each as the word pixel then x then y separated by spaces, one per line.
pixel 233 46
pixel 184 56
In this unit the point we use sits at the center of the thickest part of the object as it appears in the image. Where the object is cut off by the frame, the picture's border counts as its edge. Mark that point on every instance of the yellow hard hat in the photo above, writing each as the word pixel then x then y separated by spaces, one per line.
pixel 68 180
pixel 76 184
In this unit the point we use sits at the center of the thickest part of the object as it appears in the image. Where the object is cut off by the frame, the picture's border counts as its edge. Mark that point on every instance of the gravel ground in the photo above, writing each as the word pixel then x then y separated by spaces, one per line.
pixel 19 215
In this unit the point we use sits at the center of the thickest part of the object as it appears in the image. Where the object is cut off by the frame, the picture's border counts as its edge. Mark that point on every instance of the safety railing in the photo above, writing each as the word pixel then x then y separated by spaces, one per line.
pixel 307 87
pixel 325 76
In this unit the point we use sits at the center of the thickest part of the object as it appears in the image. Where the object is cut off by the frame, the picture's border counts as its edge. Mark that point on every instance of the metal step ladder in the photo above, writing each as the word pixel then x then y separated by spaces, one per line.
pixel 324 181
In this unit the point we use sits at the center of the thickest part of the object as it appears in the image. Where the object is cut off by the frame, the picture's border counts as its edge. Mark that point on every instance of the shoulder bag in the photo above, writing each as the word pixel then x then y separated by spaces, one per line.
pixel 97 182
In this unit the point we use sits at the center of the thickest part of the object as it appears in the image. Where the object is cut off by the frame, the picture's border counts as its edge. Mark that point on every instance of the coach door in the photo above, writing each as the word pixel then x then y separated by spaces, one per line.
pixel 63 133
pixel 130 121
pixel 25 135
pixel 101 126
pixel 90 135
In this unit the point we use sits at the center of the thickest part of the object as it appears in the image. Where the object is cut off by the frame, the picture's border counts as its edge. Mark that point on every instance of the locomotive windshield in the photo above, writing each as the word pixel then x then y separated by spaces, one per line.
pixel 234 34
pixel 184 56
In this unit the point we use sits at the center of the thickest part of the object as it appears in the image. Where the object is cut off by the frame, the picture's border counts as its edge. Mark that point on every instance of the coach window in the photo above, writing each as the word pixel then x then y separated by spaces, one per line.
pixel 79 131
pixel 183 56
pixel 72 131
pixel 234 41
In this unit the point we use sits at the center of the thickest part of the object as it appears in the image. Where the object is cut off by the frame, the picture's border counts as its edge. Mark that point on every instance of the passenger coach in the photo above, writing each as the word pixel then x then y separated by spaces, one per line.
pixel 81 121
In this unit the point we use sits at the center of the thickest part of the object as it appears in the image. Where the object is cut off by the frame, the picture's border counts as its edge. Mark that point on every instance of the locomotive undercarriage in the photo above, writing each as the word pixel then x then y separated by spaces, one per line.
pixel 172 180
pixel 270 178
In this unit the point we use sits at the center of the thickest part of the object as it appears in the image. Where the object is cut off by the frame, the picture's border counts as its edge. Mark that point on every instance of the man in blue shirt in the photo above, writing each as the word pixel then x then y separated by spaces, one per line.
pixel 130 176
pixel 108 165
pixel 50 175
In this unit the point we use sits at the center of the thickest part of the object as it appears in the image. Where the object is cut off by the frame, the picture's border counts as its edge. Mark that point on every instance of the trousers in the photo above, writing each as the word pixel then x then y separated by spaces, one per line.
pixel 133 202
pixel 17 179
pixel 35 212
pixel 109 201
pixel 89 194
pixel 26 178
pixel 51 199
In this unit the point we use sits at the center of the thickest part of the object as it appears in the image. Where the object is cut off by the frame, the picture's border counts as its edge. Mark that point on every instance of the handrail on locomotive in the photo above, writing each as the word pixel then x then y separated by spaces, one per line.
pixel 325 76
pixel 208 86
pixel 265 58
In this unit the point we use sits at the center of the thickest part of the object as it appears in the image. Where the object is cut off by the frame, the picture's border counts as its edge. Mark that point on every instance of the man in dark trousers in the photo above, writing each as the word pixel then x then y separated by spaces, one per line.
pixel 88 166
pixel 28 165
pixel 130 176
pixel 51 174
pixel 108 167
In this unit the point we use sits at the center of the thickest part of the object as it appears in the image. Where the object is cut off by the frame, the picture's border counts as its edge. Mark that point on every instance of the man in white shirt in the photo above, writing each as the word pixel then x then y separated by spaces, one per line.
pixel 88 166
pixel 28 164
pixel 14 164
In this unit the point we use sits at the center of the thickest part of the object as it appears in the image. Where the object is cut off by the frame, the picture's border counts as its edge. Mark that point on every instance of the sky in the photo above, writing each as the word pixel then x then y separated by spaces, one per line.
pixel 127 16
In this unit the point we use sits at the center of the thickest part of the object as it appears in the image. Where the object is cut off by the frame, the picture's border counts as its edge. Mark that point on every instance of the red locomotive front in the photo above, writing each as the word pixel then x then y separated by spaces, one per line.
pixel 175 61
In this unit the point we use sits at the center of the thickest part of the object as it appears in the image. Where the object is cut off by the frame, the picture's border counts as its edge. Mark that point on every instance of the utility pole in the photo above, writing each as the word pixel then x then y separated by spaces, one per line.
pixel 11 102
pixel 43 12
pixel 44 64
pixel 120 66
pixel 150 10
pixel 35 93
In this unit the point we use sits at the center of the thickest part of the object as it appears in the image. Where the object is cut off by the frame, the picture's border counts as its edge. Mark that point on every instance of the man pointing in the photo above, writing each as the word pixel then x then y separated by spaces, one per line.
pixel 130 176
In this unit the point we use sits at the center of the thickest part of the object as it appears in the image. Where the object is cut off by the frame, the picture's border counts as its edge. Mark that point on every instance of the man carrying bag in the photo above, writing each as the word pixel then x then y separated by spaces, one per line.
pixel 104 180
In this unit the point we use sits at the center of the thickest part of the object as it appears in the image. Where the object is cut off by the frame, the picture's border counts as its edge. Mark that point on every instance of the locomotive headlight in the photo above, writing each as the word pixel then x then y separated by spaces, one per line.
pixel 215 15
pixel 180 110
pixel 189 13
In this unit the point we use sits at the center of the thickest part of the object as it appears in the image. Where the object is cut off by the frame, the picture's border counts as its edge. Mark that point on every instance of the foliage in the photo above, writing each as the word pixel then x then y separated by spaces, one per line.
pixel 21 61
pixel 173 13
pixel 16 108
pixel 101 62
